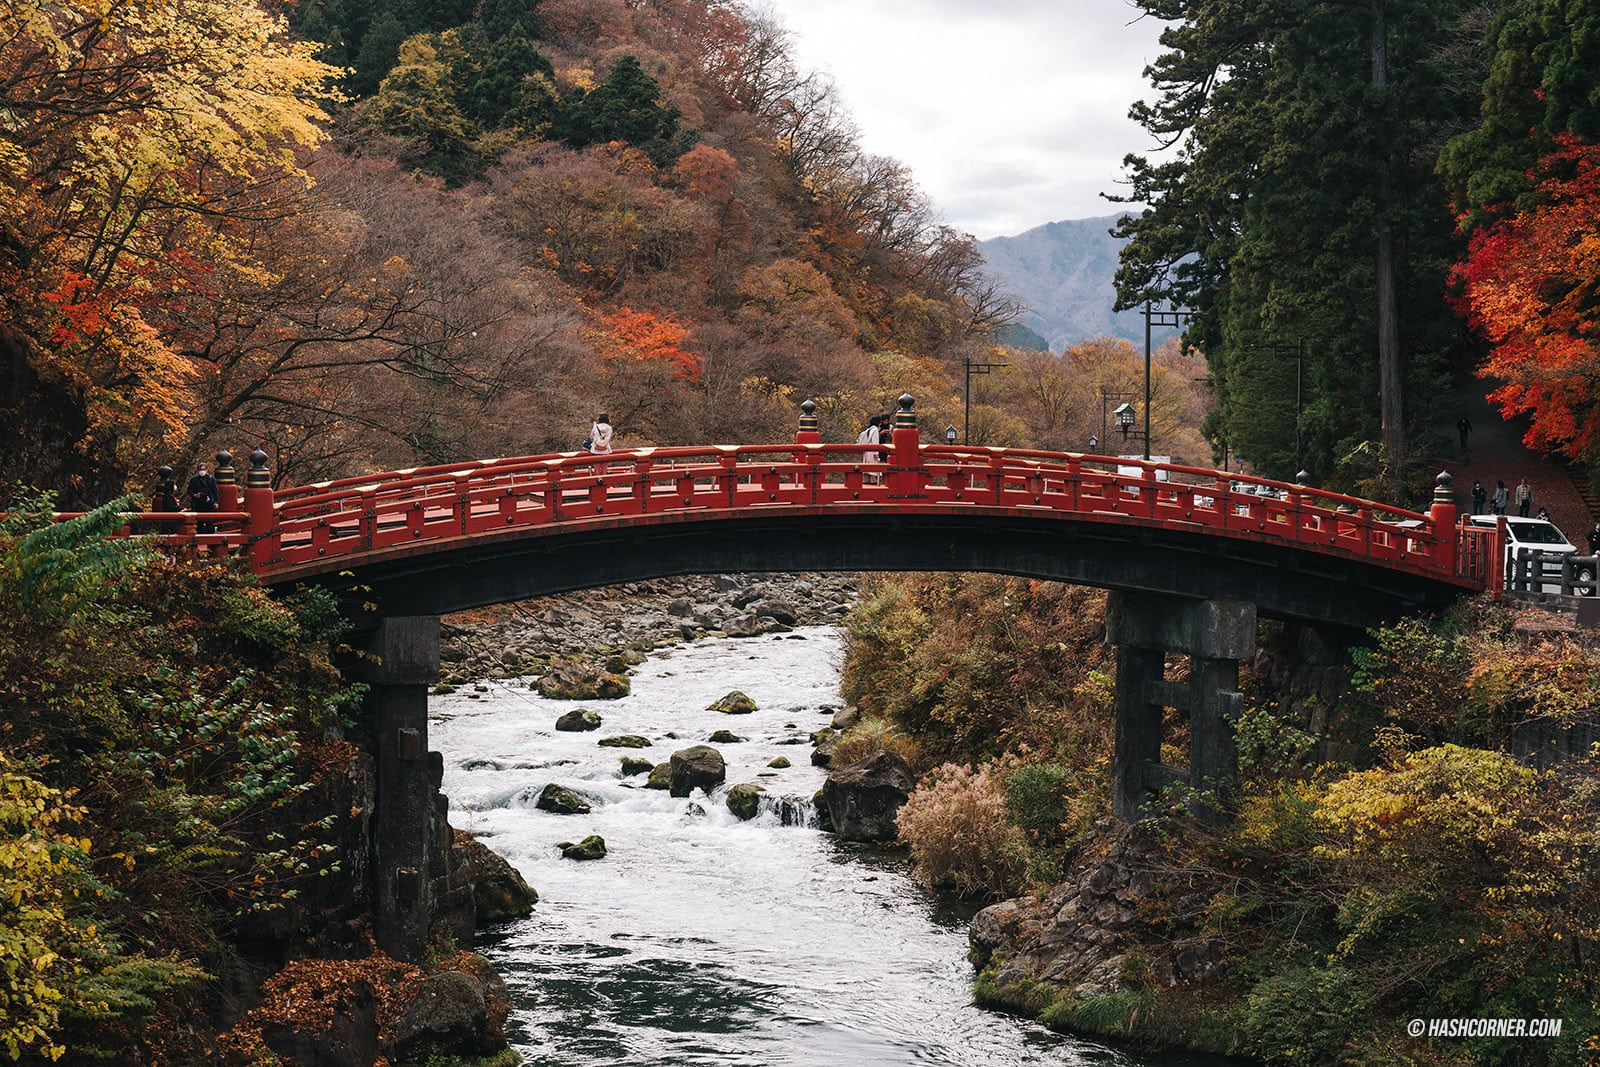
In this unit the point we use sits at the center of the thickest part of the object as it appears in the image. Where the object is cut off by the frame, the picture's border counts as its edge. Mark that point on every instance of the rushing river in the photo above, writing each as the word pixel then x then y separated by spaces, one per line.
pixel 701 939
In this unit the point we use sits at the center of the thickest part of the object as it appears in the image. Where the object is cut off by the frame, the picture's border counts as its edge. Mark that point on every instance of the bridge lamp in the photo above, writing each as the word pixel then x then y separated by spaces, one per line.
pixel 1125 419
pixel 1094 442
pixel 949 435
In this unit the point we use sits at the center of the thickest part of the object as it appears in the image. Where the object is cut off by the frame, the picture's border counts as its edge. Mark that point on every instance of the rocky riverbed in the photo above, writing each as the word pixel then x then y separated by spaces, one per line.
pixel 596 625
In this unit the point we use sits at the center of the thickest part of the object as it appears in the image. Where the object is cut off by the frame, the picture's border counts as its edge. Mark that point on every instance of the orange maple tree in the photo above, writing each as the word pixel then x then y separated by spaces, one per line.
pixel 646 337
pixel 1531 286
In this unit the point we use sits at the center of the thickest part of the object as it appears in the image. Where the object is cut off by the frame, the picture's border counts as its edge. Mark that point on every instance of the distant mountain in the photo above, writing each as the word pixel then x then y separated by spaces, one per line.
pixel 1062 272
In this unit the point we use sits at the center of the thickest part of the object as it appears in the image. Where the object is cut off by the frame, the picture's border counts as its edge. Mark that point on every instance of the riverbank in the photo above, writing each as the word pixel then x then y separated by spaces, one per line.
pixel 591 625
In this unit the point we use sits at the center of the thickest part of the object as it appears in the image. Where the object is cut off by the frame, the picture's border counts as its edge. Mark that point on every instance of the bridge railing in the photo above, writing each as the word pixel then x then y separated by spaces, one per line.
pixel 296 529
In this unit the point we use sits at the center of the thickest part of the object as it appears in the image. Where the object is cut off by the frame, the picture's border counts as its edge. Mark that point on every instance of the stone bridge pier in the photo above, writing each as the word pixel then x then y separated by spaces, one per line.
pixel 410 832
pixel 1215 635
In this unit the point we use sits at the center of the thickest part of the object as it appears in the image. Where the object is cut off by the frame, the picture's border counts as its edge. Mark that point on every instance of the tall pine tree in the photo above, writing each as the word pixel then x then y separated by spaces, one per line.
pixel 1298 215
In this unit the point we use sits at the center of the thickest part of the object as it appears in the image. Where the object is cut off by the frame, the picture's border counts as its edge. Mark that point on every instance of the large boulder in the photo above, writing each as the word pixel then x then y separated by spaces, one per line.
pixel 499 891
pixel 571 680
pixel 660 776
pixel 448 1017
pixel 632 765
pixel 699 766
pixel 561 801
pixel 579 719
pixel 864 798
pixel 744 800
pixel 735 703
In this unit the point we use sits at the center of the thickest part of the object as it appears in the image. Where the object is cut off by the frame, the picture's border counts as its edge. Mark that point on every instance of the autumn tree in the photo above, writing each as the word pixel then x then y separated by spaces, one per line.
pixel 135 133
pixel 1529 288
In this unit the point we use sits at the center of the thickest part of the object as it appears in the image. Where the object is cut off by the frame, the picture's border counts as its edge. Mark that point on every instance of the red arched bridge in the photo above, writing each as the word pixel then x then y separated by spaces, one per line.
pixel 443 538
pixel 1191 557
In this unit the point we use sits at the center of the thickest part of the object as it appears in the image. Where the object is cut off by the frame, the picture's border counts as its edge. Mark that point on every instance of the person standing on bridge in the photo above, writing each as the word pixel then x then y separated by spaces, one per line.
pixel 165 499
pixel 600 434
pixel 203 494
pixel 1480 498
pixel 1524 497
pixel 1501 498
pixel 870 436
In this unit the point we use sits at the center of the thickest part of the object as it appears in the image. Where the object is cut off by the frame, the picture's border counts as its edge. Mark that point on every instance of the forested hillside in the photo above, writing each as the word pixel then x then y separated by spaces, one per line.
pixel 496 220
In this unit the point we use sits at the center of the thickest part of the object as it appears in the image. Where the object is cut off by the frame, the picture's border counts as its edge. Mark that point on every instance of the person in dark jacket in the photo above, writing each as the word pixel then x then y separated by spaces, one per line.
pixel 165 499
pixel 203 496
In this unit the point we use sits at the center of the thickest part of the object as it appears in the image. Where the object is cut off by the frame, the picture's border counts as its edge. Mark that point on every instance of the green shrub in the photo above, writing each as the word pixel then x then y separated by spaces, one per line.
pixel 877 735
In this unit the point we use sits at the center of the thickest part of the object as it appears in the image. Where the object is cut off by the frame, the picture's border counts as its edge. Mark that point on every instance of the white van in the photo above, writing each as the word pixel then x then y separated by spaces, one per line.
pixel 1540 535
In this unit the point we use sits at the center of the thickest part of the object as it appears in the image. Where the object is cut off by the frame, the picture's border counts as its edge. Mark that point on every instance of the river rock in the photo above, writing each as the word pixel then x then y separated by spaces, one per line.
pixel 561 801
pixel 824 739
pixel 772 608
pixel 592 847
pixel 699 766
pixel 448 1017
pixel 348 1037
pixel 625 741
pixel 499 891
pixel 579 719
pixel 571 680
pixel 865 797
pixel 632 765
pixel 660 777
pixel 735 703
pixel 845 718
pixel 744 800
pixel 780 763
pixel 724 737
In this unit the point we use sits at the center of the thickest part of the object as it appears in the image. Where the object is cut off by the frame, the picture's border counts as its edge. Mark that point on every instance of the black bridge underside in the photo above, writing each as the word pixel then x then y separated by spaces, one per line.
pixel 1284 582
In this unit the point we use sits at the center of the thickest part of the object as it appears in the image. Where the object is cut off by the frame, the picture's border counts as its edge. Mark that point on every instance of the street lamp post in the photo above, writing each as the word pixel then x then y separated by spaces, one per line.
pixel 1123 417
pixel 966 417
pixel 949 435
pixel 1171 317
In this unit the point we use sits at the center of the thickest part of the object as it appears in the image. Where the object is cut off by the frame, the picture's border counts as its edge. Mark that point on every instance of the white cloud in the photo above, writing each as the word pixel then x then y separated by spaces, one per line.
pixel 1011 113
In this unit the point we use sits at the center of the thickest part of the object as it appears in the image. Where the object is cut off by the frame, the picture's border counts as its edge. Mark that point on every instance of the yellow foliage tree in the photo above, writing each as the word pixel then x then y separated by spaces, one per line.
pixel 131 130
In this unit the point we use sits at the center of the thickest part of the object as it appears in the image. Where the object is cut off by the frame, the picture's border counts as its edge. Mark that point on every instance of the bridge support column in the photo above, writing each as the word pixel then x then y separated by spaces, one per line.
pixel 406 663
pixel 1216 635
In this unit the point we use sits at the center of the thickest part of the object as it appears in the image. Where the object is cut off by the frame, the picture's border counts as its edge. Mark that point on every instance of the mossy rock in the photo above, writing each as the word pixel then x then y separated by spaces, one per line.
pixel 744 800
pixel 625 741
pixel 660 776
pixel 780 763
pixel 724 737
pixel 578 719
pixel 571 680
pixel 592 847
pixel 561 801
pixel 632 765
pixel 735 703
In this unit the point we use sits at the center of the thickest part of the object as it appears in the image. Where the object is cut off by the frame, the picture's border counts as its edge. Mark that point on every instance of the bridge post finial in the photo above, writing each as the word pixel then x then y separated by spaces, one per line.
pixel 1443 516
pixel 808 433
pixel 227 482
pixel 258 502
pixel 907 476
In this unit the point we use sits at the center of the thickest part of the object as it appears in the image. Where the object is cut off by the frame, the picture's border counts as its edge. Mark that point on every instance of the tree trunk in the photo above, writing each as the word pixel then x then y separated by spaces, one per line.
pixel 1390 406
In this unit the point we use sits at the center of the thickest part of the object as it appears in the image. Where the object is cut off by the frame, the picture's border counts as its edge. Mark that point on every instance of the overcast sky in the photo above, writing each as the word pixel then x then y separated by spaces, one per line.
pixel 1011 113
